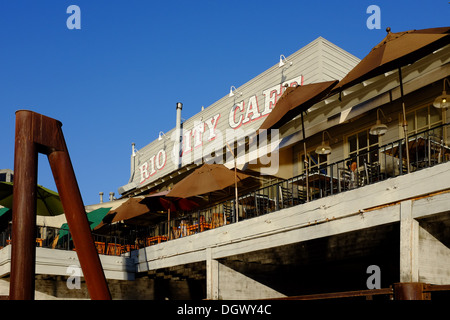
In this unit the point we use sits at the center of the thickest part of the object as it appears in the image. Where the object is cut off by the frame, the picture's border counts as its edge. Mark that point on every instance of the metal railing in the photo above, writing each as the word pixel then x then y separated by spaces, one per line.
pixel 426 149
pixel 61 238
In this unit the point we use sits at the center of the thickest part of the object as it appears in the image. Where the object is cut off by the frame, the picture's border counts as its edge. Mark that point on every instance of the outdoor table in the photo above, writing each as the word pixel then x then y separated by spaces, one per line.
pixel 422 151
pixel 318 182
pixel 256 204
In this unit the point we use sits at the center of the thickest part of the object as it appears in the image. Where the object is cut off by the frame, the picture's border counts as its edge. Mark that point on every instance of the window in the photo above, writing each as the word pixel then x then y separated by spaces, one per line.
pixel 363 147
pixel 423 118
pixel 315 161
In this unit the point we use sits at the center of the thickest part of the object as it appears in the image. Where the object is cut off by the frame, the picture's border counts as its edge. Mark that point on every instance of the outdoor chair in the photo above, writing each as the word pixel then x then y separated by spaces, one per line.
pixel 286 197
pixel 228 211
pixel 114 249
pixel 100 247
pixel 347 179
pixel 291 197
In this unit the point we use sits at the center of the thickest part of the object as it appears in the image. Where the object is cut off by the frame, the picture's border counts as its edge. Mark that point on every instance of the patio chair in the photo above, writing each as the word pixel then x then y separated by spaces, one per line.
pixel 228 211
pixel 286 197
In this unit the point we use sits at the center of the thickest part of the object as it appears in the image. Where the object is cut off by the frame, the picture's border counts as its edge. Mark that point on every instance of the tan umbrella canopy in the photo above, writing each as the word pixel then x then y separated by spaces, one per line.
pixel 294 101
pixel 208 178
pixel 396 50
pixel 130 209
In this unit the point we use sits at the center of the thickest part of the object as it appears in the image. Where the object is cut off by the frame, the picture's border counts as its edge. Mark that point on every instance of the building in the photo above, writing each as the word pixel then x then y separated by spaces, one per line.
pixel 242 111
pixel 6 175
pixel 356 212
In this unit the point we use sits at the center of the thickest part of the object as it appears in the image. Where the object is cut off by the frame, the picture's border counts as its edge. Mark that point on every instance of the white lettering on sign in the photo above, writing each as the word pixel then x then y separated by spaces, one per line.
pixel 156 163
pixel 212 126
pixel 203 141
pixel 241 113
pixel 193 138
pixel 239 107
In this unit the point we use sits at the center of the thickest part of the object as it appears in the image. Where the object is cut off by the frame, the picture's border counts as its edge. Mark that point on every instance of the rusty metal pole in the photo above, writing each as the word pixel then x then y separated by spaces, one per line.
pixel 23 250
pixel 78 224
pixel 37 133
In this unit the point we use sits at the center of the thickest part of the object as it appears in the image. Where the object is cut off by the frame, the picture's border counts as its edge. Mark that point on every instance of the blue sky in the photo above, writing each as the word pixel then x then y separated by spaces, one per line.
pixel 117 79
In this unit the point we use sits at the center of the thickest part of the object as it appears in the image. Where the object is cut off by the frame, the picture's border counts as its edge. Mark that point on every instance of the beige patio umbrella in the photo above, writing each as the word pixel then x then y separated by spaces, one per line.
pixel 208 178
pixel 393 52
pixel 296 101
pixel 130 209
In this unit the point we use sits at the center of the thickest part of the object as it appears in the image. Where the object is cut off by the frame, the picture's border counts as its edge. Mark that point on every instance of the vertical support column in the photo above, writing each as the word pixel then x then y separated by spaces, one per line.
pixel 212 276
pixel 23 250
pixel 409 244
pixel 78 224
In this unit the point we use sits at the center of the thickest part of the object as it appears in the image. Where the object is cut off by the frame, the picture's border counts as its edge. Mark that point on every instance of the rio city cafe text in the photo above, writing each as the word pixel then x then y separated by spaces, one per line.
pixel 204 132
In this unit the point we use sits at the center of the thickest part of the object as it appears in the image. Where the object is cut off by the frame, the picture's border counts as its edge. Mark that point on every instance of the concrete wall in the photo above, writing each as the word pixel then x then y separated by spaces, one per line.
pixel 418 203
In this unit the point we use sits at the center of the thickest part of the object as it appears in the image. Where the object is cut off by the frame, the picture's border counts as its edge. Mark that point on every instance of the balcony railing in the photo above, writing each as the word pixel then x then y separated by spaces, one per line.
pixel 426 149
pixel 57 238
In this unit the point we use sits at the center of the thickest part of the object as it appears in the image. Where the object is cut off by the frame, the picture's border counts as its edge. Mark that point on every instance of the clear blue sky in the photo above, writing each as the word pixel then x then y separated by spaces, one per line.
pixel 117 79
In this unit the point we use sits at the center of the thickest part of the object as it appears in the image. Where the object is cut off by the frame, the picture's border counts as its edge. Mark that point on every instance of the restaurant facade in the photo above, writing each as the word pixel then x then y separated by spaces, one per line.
pixel 338 202
pixel 204 137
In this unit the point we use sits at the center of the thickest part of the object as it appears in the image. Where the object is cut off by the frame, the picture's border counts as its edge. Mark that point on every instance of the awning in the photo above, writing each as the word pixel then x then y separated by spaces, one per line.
pixel 207 178
pixel 394 51
pixel 3 211
pixel 94 218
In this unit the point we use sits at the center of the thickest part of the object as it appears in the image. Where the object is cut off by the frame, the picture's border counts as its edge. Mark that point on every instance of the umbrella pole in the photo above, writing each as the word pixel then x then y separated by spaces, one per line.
pixel 306 160
pixel 405 123
pixel 168 224
pixel 235 191
pixel 235 184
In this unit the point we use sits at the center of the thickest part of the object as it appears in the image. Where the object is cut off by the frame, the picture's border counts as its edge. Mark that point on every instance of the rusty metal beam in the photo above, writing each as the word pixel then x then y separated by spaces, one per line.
pixel 37 133
pixel 410 291
pixel 23 250
pixel 340 295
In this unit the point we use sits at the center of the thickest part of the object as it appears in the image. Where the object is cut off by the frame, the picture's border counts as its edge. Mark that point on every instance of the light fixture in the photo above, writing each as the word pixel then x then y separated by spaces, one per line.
pixel 443 101
pixel 324 148
pixel 283 61
pixel 232 90
pixel 161 134
pixel 378 129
